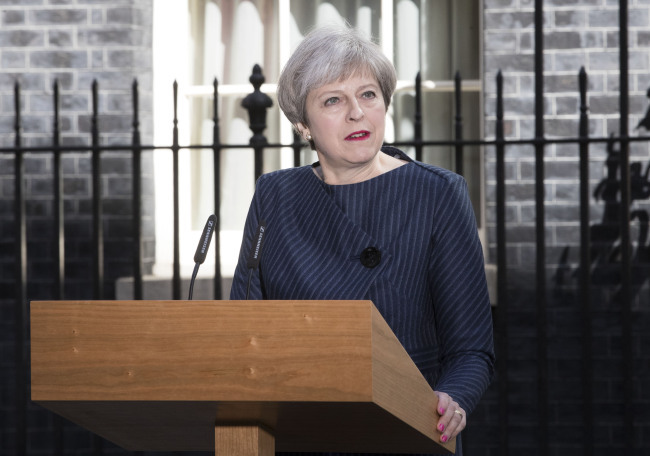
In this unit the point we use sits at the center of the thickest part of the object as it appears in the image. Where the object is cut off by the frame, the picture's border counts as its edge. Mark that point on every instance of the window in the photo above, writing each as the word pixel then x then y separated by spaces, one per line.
pixel 225 38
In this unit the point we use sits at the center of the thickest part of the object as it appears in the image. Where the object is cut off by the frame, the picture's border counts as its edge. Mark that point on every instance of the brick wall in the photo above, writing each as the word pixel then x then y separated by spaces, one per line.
pixel 79 41
pixel 74 42
pixel 577 33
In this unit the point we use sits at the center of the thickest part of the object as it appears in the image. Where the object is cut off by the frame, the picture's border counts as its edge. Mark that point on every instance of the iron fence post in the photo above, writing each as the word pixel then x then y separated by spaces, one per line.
pixel 256 103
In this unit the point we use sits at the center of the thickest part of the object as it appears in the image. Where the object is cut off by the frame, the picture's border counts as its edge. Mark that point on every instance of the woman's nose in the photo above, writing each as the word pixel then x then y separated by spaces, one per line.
pixel 356 112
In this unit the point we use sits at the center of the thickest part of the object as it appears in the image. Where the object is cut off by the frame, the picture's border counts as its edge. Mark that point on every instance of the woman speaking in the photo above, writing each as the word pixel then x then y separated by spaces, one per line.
pixel 367 222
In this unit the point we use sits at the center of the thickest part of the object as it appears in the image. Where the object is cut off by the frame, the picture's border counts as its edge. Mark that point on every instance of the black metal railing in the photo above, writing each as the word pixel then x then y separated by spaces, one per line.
pixel 257 104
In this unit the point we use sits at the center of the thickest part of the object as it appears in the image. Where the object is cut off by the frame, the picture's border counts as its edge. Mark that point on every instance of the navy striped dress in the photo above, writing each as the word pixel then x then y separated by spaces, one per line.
pixel 429 283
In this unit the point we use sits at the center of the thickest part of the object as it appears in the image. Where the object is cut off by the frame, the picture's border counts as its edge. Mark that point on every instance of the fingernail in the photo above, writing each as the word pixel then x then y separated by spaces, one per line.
pixel 442 411
pixel 441 427
pixel 443 438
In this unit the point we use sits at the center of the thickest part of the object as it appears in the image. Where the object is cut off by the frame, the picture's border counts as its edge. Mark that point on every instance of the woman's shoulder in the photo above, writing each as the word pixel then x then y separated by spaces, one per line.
pixel 286 182
pixel 444 175
pixel 432 173
pixel 285 176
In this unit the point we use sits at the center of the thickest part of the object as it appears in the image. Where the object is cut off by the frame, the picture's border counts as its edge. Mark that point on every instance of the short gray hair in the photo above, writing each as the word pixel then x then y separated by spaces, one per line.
pixel 326 55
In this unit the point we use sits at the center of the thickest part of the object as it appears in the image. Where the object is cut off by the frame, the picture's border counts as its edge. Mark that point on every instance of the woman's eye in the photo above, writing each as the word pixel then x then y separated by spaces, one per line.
pixel 369 94
pixel 331 101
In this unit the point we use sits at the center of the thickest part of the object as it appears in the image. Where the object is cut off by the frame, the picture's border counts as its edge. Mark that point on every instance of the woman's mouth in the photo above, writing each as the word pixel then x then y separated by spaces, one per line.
pixel 358 135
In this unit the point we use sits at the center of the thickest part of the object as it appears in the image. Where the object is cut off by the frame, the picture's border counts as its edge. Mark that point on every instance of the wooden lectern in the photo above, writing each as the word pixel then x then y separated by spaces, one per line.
pixel 238 377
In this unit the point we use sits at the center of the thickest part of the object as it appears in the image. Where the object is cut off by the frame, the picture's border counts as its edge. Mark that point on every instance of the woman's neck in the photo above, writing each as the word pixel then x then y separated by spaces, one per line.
pixel 344 175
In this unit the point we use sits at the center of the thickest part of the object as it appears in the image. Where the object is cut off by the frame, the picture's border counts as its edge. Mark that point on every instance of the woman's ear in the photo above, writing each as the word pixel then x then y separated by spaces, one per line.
pixel 303 131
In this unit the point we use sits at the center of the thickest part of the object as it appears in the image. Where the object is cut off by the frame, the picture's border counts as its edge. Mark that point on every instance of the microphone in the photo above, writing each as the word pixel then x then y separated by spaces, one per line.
pixel 255 255
pixel 202 248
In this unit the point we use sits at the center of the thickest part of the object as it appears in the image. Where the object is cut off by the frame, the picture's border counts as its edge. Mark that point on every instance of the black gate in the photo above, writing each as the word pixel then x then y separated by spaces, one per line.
pixel 608 255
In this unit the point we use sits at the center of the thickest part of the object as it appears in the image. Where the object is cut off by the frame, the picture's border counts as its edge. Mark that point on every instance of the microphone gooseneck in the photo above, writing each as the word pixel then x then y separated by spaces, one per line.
pixel 255 255
pixel 202 249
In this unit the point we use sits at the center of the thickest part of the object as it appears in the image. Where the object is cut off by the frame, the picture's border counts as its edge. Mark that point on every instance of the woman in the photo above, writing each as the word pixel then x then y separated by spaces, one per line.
pixel 367 222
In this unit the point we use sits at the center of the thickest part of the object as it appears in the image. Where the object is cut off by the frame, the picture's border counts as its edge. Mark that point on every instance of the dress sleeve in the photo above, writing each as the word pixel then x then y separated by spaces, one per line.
pixel 461 301
pixel 242 276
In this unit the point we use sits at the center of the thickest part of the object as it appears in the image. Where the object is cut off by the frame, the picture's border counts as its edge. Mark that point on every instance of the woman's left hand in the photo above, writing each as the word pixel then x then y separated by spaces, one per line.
pixel 452 417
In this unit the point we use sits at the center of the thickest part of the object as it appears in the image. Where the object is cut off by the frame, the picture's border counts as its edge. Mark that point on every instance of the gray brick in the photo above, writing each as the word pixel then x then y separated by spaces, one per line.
pixel 520 192
pixel 490 4
pixel 65 123
pixel 510 171
pixel 7 126
pixel 58 59
pixel 33 124
pixel 570 61
pixel 558 83
pixel 526 42
pixel 107 123
pixel 526 127
pixel 97 59
pixel 20 2
pixel 21 38
pixel 40 102
pixel 612 40
pixel 517 234
pixel 103 2
pixel 59 16
pixel 561 127
pixel 591 39
pixel 612 82
pixel 603 18
pixel 603 60
pixel 13 17
pixel 113 37
pixel 120 186
pixel 116 138
pixel 604 104
pixel 641 81
pixel 567 105
pixel 106 79
pixel 124 15
pixel 65 79
pixel 509 20
pixel 562 40
pixel 612 126
pixel 643 38
pixel 517 106
pixel 573 19
pixel 567 192
pixel 76 186
pixel 509 84
pixel 638 17
pixel 115 164
pixel 60 38
pixel 638 60
pixel 510 63
pixel 119 103
pixel 562 170
pixel 74 139
pixel 75 102
pixel 39 186
pixel 527 83
pixel 12 59
pixel 98 16
pixel 125 58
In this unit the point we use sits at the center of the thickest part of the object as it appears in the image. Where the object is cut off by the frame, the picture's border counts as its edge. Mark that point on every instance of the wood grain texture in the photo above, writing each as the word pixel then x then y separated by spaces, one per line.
pixel 158 375
pixel 243 441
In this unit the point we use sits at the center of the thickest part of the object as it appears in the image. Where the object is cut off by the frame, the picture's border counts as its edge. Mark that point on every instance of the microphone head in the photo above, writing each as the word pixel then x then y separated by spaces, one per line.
pixel 256 250
pixel 206 237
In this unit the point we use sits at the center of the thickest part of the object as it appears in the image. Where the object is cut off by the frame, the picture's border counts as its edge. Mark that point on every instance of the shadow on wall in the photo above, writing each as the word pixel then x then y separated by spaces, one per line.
pixel 605 236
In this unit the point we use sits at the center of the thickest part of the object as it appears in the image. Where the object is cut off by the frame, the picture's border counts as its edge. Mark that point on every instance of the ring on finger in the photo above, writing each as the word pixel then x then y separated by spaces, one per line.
pixel 460 413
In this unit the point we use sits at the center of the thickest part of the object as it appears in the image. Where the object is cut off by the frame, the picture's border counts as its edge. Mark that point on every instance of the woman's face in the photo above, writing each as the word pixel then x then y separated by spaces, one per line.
pixel 346 121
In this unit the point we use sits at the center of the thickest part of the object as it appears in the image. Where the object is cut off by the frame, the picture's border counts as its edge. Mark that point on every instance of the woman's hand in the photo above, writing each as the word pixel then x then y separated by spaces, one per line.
pixel 452 417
